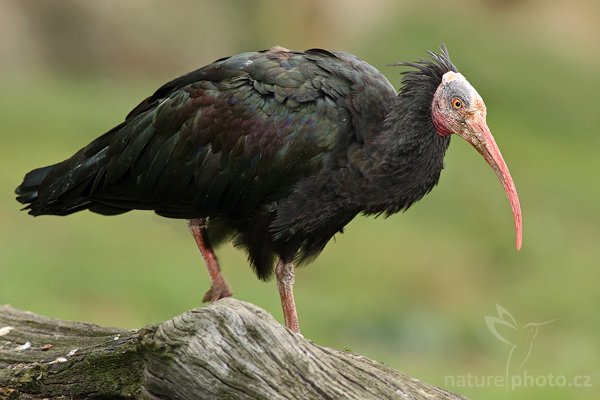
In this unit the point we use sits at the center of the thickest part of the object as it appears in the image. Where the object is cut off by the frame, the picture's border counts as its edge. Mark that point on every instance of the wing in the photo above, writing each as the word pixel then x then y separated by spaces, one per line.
pixel 223 140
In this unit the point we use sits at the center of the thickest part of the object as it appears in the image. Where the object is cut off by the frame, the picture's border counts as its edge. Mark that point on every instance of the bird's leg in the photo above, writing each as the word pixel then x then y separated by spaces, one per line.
pixel 219 288
pixel 284 271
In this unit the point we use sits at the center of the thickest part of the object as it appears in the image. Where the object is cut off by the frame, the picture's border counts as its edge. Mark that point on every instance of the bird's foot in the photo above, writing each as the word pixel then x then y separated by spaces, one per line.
pixel 217 291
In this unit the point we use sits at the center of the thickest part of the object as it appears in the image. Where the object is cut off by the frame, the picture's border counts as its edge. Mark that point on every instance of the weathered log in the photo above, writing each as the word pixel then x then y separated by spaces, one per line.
pixel 227 350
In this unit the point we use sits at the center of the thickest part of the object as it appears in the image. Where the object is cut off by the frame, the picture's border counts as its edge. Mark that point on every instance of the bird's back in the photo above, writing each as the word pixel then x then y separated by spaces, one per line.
pixel 221 140
pixel 231 141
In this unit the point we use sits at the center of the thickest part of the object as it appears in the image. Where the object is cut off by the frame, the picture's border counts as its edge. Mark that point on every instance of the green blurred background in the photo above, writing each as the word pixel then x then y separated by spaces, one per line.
pixel 412 290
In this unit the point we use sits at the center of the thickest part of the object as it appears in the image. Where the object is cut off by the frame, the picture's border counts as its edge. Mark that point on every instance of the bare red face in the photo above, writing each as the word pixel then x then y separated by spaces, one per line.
pixel 458 108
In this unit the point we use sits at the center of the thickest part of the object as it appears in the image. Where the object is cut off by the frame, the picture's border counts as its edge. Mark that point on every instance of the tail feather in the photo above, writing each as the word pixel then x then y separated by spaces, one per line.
pixel 46 191
pixel 57 190
pixel 27 192
pixel 66 187
pixel 57 198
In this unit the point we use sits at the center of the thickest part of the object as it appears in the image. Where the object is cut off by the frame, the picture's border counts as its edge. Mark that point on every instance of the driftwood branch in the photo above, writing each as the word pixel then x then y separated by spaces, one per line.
pixel 228 350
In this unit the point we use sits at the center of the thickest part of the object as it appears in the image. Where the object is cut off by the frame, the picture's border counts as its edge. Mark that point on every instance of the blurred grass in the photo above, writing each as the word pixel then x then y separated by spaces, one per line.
pixel 411 290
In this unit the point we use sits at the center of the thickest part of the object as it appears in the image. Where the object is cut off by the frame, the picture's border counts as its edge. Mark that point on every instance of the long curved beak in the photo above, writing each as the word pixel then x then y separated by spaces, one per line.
pixel 478 134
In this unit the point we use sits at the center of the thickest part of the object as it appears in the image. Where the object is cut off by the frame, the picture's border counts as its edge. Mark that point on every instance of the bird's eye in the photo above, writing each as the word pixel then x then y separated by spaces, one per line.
pixel 457 103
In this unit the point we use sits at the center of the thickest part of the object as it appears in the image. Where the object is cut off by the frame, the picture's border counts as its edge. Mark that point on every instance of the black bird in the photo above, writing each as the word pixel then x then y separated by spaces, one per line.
pixel 277 150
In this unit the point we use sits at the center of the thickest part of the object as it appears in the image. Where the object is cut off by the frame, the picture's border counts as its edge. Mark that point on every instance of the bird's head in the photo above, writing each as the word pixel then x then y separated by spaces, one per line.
pixel 458 108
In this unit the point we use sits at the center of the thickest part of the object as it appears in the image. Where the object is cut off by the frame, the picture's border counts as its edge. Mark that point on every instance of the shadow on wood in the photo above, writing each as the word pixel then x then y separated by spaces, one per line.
pixel 227 350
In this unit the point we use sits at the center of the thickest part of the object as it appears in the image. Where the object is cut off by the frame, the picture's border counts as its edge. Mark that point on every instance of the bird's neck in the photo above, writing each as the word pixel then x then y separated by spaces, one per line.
pixel 406 158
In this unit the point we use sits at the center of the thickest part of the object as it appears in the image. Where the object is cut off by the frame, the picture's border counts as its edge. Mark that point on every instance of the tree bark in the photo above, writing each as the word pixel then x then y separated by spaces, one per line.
pixel 228 350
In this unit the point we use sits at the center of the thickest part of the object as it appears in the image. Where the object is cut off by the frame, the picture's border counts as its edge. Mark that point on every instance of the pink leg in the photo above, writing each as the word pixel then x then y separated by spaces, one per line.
pixel 219 288
pixel 285 282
